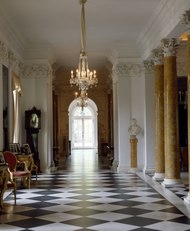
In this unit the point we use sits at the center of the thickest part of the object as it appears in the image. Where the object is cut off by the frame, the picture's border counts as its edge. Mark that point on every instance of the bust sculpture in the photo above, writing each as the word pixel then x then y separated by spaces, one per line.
pixel 134 128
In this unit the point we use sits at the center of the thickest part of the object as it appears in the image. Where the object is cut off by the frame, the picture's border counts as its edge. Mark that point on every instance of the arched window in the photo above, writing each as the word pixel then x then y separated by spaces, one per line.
pixel 83 125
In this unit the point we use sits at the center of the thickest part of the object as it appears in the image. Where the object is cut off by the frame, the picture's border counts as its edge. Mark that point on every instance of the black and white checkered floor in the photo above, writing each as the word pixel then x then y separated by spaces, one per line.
pixel 92 197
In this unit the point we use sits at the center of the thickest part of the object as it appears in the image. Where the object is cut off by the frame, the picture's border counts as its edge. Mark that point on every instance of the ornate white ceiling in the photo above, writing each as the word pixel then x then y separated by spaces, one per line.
pixel 125 28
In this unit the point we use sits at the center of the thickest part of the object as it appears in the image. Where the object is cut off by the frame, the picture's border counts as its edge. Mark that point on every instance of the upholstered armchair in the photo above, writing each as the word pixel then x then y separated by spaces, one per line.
pixel 17 173
pixel 6 182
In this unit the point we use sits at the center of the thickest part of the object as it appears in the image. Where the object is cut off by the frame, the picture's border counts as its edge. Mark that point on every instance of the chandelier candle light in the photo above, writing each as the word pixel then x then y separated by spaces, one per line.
pixel 82 99
pixel 84 77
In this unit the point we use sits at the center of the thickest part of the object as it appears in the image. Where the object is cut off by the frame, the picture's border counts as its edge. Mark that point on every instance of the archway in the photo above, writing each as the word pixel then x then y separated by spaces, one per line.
pixel 83 126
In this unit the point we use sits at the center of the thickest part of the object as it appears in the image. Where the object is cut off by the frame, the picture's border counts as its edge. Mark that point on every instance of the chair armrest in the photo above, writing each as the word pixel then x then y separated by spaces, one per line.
pixel 22 165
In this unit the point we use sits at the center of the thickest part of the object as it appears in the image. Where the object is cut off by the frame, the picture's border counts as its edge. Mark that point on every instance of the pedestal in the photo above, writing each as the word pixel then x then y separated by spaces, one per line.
pixel 133 142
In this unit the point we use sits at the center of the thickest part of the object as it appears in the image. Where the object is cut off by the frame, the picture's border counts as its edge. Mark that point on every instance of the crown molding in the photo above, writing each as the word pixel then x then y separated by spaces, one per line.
pixel 128 70
pixel 165 22
pixel 37 69
pixel 10 34
pixel 13 39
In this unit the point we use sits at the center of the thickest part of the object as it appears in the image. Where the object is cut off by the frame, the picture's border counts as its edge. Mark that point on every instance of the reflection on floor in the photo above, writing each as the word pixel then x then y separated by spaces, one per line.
pixel 86 195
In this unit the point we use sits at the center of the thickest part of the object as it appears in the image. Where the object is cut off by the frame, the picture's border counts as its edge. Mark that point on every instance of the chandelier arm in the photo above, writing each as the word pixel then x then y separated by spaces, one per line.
pixel 83 28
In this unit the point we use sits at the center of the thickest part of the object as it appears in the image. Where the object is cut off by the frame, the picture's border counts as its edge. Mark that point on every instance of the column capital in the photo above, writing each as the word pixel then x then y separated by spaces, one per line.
pixel 157 56
pixel 148 64
pixel 169 46
pixel 14 62
pixel 4 53
pixel 186 20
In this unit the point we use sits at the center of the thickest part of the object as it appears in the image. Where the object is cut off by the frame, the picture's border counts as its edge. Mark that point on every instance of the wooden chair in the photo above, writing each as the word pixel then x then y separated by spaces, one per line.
pixel 33 167
pixel 13 164
pixel 6 182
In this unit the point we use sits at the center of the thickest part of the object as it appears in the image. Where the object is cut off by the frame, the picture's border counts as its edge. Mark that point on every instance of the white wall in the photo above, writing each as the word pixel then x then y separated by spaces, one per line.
pixel 135 99
pixel 149 122
pixel 124 102
pixel 37 92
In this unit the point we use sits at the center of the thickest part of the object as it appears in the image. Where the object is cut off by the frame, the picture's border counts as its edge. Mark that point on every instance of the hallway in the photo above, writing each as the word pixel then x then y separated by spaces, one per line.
pixel 86 195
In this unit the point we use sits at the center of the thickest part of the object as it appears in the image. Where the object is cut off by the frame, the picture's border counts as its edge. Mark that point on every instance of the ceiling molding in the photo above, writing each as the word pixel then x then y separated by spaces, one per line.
pixel 167 18
pixel 10 33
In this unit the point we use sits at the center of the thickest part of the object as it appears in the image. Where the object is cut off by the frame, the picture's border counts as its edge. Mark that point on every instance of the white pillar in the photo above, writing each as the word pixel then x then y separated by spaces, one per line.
pixel 122 98
pixel 37 88
pixel 115 122
pixel 149 125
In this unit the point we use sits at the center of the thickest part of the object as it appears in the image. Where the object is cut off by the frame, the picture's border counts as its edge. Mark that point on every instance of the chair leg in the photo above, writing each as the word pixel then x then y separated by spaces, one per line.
pixel 29 179
pixel 14 191
pixel 36 173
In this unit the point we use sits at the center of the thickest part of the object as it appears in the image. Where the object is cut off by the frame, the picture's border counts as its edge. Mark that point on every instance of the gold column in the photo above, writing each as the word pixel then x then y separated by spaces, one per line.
pixel 172 158
pixel 159 113
pixel 133 142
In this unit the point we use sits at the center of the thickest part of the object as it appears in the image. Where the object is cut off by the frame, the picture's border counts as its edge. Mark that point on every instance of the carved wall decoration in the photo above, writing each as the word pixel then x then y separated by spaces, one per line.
pixel 3 53
pixel 128 70
pixel 9 58
pixel 158 56
pixel 169 46
pixel 36 70
pixel 149 66
pixel 14 62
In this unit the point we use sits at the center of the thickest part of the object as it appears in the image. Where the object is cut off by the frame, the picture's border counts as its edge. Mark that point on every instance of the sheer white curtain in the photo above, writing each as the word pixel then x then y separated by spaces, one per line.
pixel 16 88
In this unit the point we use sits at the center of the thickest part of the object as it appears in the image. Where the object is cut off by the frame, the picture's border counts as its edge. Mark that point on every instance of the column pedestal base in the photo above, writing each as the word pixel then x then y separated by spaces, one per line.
pixel 115 165
pixel 187 199
pixel 158 176
pixel 133 170
pixel 170 182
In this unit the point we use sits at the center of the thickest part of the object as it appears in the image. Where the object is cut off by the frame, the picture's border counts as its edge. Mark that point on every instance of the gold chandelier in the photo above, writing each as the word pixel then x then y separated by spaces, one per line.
pixel 84 78
pixel 82 99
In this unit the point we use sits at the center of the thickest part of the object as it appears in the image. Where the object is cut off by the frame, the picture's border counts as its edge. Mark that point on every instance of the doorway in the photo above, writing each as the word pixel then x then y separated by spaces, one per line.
pixel 83 126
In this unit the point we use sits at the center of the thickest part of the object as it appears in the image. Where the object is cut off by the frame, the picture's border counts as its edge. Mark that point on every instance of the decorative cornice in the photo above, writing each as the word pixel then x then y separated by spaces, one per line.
pixel 8 58
pixel 33 71
pixel 169 46
pixel 128 70
pixel 3 53
pixel 148 65
pixel 157 56
pixel 186 19
pixel 114 77
pixel 14 62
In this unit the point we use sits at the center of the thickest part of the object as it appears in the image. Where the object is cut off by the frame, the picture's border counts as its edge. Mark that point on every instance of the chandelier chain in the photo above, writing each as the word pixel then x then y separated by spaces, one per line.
pixel 84 78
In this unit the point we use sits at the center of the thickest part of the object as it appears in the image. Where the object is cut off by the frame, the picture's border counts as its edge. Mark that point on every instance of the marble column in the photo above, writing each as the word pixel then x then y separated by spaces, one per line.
pixel 133 142
pixel 115 121
pixel 172 157
pixel 159 113
pixel 187 21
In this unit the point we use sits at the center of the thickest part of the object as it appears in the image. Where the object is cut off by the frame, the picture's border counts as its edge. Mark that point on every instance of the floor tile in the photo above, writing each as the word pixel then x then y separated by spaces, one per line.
pixel 97 199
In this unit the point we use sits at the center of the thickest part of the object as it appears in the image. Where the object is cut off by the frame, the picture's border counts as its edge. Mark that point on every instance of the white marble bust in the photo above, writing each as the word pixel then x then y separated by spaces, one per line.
pixel 134 129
